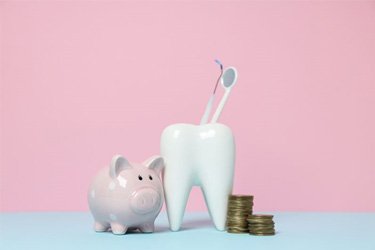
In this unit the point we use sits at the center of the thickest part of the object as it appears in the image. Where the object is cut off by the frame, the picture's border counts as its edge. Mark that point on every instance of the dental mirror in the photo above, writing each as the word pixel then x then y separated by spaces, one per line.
pixel 229 77
pixel 228 80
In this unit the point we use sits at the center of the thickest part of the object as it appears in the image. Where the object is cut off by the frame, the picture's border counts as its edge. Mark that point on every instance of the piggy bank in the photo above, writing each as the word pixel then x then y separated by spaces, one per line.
pixel 127 195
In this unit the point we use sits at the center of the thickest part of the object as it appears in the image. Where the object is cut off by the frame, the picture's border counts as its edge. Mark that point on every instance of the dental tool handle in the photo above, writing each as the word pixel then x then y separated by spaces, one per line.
pixel 207 112
pixel 220 107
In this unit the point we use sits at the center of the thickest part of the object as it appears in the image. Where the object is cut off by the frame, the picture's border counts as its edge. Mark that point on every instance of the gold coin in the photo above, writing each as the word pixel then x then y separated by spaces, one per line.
pixel 240 201
pixel 241 196
pixel 261 228
pixel 240 206
pixel 236 224
pixel 244 227
pixel 256 219
pixel 237 229
pixel 245 211
pixel 263 216
pixel 263 234
pixel 237 219
pixel 239 212
pixel 236 232
pixel 261 223
pixel 238 215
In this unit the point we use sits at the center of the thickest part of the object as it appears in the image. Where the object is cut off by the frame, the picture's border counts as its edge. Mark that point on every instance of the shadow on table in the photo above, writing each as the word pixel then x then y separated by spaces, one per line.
pixel 188 225
pixel 199 223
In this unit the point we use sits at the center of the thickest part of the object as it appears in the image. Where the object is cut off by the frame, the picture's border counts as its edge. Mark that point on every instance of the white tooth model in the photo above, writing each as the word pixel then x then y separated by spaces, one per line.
pixel 199 155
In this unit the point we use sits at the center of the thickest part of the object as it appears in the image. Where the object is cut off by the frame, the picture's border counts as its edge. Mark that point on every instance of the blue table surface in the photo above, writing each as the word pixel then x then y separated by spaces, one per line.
pixel 73 230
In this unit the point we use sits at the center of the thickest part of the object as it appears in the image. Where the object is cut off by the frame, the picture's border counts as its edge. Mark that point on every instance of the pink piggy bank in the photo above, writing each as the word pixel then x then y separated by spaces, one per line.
pixel 127 195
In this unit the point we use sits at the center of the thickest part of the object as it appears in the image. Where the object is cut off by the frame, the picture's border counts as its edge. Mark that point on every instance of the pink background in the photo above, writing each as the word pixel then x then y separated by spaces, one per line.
pixel 81 81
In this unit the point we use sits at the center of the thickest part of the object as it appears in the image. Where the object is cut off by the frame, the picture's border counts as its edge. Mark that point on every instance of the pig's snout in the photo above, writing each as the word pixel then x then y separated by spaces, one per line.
pixel 145 200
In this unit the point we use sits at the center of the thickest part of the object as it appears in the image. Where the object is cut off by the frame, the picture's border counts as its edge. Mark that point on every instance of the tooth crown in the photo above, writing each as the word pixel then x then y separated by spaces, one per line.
pixel 202 156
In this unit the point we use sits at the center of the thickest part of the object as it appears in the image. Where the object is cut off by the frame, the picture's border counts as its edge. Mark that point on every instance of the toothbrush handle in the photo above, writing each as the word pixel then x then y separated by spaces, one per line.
pixel 220 107
pixel 207 112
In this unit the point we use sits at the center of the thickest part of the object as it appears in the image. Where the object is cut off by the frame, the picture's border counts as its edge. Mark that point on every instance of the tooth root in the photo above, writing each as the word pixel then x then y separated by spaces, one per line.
pixel 197 155
pixel 216 192
pixel 177 189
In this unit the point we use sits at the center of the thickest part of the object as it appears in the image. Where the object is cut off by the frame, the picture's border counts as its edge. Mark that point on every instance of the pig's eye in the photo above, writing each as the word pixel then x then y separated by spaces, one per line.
pixel 140 177
pixel 150 177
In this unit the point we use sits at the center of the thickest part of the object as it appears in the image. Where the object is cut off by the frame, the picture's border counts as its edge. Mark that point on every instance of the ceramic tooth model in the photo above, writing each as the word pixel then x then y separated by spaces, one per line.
pixel 202 156
pixel 198 155
pixel 126 195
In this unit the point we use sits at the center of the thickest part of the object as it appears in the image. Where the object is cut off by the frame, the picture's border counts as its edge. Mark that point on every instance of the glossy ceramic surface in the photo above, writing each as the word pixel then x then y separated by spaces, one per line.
pixel 126 195
pixel 202 156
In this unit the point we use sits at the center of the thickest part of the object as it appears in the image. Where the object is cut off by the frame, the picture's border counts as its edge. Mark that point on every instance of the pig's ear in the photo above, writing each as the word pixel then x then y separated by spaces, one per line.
pixel 118 164
pixel 155 163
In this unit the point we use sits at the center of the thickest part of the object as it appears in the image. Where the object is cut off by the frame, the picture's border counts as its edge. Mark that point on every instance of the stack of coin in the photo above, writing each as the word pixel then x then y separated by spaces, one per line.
pixel 261 224
pixel 239 208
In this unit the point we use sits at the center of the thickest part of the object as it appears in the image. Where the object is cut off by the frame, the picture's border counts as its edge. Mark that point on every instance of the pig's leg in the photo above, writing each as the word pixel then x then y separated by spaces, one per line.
pixel 101 226
pixel 118 228
pixel 147 228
